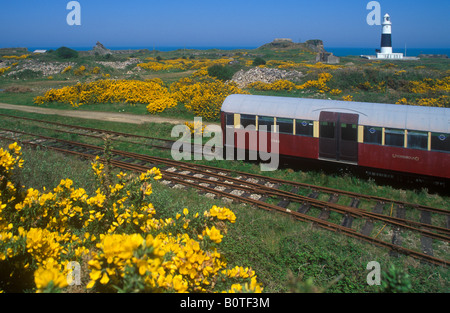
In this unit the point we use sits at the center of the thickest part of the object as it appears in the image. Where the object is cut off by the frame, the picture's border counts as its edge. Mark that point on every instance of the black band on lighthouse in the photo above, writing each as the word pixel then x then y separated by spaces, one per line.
pixel 386 40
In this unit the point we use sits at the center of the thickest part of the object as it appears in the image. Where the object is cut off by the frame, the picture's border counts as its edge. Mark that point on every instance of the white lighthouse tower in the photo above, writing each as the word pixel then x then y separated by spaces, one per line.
pixel 386 35
pixel 386 41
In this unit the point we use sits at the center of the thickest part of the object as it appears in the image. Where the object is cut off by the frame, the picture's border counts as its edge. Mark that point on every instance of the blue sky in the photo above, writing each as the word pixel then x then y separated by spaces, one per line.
pixel 245 23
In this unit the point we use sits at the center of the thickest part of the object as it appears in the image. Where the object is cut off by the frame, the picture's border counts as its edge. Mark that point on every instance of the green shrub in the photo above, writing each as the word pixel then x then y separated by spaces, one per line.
pixel 26 74
pixel 259 61
pixel 66 53
pixel 221 72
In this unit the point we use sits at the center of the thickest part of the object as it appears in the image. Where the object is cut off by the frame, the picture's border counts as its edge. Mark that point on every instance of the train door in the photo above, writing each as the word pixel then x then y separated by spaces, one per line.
pixel 338 136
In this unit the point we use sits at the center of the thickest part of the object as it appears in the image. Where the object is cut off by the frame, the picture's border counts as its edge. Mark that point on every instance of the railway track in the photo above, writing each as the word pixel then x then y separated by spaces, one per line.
pixel 419 231
pixel 160 143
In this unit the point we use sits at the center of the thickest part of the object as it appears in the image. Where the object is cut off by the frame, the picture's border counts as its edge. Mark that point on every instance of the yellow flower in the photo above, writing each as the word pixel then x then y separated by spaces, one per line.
pixel 116 188
pixel 335 92
pixel 155 172
pixel 402 101
pixel 49 273
pixel 347 98
pixel 42 244
pixel 223 213
pixel 148 190
pixel 236 288
pixel 214 234
pixel 14 146
pixel 179 284
pixel 121 175
pixel 121 246
pixel 105 279
pixel 169 260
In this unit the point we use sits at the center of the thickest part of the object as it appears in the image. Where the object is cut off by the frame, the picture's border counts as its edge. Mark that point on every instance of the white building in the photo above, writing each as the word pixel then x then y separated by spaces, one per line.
pixel 386 41
pixel 386 44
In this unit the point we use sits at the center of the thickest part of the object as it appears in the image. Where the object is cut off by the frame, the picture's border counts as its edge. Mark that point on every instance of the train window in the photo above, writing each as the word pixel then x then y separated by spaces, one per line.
pixel 417 140
pixel 266 121
pixel 229 119
pixel 349 132
pixel 373 135
pixel 395 137
pixel 285 125
pixel 247 120
pixel 304 128
pixel 440 142
pixel 327 129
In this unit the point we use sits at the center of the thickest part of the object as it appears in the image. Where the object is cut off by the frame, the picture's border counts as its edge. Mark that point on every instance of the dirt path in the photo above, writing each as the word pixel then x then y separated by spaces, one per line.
pixel 103 116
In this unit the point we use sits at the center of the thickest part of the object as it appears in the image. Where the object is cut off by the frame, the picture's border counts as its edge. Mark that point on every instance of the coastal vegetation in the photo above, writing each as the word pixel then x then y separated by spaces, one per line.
pixel 68 212
pixel 197 82
pixel 122 241
pixel 75 219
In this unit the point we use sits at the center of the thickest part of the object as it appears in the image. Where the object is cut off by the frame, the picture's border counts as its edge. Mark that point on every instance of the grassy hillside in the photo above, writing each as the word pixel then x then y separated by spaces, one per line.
pixel 422 82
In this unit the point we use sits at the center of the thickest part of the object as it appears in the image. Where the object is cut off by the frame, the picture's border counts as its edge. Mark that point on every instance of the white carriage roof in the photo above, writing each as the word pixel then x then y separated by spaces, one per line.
pixel 370 114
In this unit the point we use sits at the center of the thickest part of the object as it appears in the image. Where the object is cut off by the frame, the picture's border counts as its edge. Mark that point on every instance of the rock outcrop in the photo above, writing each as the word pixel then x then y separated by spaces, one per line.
pixel 100 49
pixel 315 45
pixel 265 75
pixel 120 65
pixel 43 68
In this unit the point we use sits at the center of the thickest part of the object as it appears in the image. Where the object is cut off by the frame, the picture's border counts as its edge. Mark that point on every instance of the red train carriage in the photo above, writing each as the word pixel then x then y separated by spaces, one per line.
pixel 408 139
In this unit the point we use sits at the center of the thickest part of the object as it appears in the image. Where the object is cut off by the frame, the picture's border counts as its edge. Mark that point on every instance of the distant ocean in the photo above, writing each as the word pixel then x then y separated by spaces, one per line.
pixel 338 51
pixel 411 52
pixel 165 48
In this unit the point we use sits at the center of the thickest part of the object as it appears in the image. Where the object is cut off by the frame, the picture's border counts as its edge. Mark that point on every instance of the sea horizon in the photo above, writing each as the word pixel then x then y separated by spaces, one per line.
pixel 337 51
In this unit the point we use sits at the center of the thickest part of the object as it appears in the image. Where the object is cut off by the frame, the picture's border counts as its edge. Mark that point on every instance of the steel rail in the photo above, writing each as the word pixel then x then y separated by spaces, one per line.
pixel 274 180
pixel 297 215
pixel 270 191
pixel 88 128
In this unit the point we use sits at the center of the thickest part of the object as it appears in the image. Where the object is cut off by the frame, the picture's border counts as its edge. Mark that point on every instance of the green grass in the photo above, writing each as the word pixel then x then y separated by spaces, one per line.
pixel 163 130
pixel 283 252
pixel 354 72
pixel 158 130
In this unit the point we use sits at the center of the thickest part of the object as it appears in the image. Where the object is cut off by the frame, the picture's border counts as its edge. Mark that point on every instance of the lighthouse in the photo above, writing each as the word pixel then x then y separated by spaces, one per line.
pixel 386 35
pixel 386 52
pixel 386 41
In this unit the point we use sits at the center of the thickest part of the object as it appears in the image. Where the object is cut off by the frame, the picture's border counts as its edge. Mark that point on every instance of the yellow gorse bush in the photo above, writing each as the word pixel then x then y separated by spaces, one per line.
pixel 319 84
pixel 292 65
pixel 402 101
pixel 112 91
pixel 80 71
pixel 196 127
pixel 4 69
pixel 67 69
pixel 181 64
pixel 50 274
pixel 347 98
pixel 335 92
pixel 116 234
pixel 429 85
pixel 16 57
pixel 441 102
pixel 275 86
pixel 203 95
pixel 95 70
